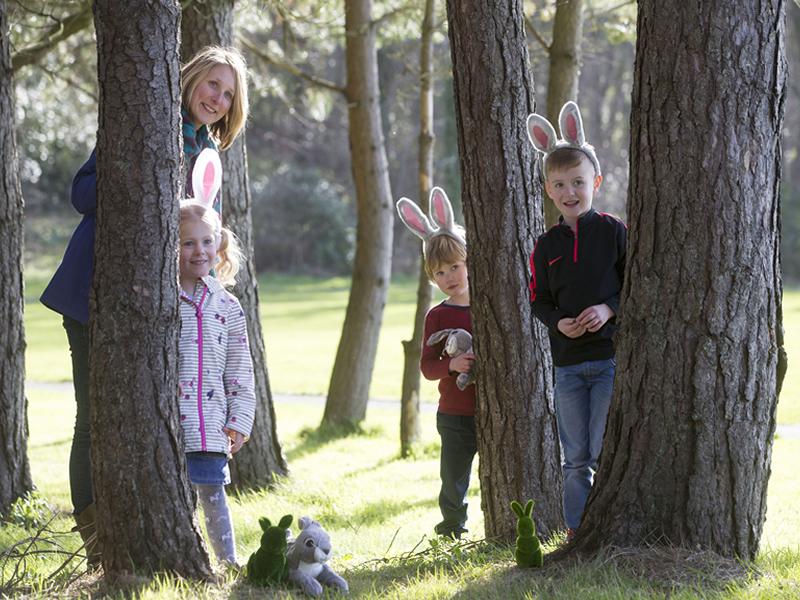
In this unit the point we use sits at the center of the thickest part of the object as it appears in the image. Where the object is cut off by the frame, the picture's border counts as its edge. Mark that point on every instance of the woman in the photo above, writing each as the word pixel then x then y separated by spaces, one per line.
pixel 214 110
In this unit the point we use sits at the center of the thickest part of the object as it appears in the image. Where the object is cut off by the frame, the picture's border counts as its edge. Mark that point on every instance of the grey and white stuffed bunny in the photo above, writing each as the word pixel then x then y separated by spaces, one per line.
pixel 306 560
pixel 543 136
pixel 457 342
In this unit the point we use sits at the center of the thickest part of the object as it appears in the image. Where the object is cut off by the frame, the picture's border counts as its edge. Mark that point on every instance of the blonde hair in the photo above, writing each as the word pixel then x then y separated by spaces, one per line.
pixel 229 251
pixel 443 250
pixel 192 73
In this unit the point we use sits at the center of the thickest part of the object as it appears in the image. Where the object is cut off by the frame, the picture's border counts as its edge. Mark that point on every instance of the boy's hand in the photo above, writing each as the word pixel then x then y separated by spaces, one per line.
pixel 237 440
pixel 594 317
pixel 462 363
pixel 571 328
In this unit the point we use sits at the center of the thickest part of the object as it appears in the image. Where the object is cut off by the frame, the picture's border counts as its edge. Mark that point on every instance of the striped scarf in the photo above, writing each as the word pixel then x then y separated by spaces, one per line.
pixel 194 141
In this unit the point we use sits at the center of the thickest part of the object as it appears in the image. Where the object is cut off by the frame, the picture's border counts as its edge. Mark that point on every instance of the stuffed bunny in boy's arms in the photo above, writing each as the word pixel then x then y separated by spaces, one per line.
pixel 457 342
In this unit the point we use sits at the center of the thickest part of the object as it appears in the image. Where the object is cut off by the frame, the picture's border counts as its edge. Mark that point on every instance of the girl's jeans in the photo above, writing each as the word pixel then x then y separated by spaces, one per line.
pixel 582 398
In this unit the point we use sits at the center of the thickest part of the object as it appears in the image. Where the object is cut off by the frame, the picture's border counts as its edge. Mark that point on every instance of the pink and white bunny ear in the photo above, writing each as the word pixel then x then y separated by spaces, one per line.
pixel 413 218
pixel 206 177
pixel 441 210
pixel 541 133
pixel 569 119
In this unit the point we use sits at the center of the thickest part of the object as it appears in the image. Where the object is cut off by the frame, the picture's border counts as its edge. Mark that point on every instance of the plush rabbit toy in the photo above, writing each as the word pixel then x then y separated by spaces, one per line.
pixel 543 136
pixel 528 552
pixel 458 342
pixel 441 213
pixel 307 560
pixel 267 565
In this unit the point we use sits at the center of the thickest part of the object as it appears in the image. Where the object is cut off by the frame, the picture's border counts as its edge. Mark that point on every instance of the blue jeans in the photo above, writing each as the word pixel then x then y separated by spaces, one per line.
pixel 582 398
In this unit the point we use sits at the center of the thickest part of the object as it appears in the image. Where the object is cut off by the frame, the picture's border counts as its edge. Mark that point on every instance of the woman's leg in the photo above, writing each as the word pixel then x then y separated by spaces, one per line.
pixel 80 461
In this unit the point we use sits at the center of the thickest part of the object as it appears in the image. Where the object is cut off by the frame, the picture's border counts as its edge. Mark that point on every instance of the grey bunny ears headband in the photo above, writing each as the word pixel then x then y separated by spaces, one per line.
pixel 543 136
pixel 440 223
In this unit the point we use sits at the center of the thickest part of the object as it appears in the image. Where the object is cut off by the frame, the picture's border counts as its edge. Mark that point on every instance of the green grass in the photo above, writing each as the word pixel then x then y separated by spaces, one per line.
pixel 302 322
pixel 380 511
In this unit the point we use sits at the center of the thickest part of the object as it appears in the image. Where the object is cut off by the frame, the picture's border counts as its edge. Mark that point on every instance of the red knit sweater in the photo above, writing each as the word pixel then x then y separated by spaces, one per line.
pixel 452 401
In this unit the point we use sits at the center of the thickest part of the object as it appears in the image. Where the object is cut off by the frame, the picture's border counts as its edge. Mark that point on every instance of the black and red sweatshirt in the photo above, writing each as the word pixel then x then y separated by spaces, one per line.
pixel 571 271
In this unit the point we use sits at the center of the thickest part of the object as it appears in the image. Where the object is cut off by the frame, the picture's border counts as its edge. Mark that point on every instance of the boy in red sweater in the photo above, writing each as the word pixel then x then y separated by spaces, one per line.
pixel 445 253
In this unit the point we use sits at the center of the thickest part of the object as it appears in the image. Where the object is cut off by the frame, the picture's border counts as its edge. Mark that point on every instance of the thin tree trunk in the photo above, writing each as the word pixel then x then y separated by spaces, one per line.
pixel 145 507
pixel 355 358
pixel 564 70
pixel 688 445
pixel 261 458
pixel 15 473
pixel 517 436
pixel 412 349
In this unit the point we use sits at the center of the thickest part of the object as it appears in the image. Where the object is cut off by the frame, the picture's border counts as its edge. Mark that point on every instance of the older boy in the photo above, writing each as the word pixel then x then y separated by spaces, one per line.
pixel 577 269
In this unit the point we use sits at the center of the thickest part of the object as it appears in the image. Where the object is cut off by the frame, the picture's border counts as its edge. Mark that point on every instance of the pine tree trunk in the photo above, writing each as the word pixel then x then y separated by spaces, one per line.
pixel 355 357
pixel 15 473
pixel 261 458
pixel 412 349
pixel 688 444
pixel 564 70
pixel 145 507
pixel 517 436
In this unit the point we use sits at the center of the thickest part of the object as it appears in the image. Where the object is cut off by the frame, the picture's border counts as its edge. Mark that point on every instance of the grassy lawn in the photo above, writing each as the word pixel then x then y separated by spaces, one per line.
pixel 302 321
pixel 382 536
pixel 379 509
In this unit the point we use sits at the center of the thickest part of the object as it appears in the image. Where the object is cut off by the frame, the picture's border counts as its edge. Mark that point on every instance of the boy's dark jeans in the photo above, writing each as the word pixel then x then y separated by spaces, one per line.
pixel 80 462
pixel 459 446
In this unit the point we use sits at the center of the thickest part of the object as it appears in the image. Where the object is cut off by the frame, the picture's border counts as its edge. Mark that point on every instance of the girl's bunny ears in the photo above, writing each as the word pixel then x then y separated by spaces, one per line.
pixel 206 177
pixel 441 214
pixel 543 136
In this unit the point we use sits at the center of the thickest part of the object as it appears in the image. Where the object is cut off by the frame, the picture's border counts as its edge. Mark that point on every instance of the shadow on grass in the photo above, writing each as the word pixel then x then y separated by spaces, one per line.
pixel 372 513
pixel 313 440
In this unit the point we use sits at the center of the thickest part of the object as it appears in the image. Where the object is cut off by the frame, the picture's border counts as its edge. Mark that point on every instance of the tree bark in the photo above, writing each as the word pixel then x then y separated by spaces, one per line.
pixel 355 357
pixel 257 463
pixel 15 473
pixel 688 444
pixel 412 349
pixel 564 70
pixel 145 507
pixel 501 195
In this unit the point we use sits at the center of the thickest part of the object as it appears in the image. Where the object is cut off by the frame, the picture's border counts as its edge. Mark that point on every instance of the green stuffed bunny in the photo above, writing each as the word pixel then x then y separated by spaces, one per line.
pixel 528 552
pixel 267 565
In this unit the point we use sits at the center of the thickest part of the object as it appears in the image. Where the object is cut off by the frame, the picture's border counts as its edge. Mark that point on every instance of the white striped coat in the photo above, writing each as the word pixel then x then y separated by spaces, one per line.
pixel 215 369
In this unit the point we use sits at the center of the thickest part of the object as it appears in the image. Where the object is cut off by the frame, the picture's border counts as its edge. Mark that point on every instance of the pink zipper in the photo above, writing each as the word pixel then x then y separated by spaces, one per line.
pixel 199 314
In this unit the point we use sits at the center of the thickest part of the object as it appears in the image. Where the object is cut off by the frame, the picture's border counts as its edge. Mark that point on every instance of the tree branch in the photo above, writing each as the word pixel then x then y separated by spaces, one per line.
pixel 63 29
pixel 290 68
pixel 69 81
pixel 393 13
pixel 535 33
pixel 616 7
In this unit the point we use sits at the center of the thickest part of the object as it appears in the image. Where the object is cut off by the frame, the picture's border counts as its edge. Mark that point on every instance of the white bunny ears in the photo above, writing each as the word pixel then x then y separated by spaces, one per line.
pixel 543 136
pixel 441 213
pixel 206 177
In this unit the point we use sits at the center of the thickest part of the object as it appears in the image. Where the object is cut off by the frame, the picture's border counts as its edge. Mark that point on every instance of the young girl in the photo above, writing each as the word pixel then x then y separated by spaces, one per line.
pixel 217 401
